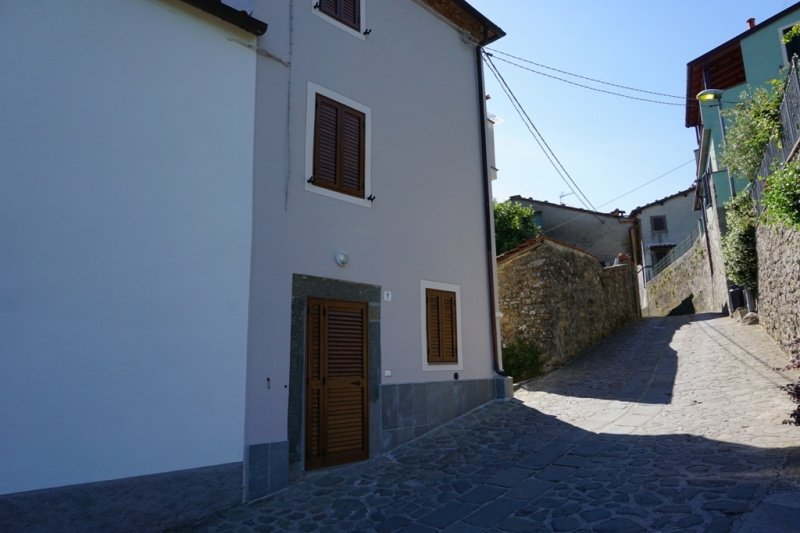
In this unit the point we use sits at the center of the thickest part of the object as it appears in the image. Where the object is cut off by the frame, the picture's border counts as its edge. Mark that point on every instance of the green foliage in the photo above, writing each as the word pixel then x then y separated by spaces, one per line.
pixel 782 196
pixel 739 244
pixel 513 224
pixel 521 360
pixel 791 34
pixel 754 122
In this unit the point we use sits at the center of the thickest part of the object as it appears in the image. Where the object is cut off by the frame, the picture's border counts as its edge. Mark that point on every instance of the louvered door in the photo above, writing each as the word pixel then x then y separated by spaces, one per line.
pixel 336 382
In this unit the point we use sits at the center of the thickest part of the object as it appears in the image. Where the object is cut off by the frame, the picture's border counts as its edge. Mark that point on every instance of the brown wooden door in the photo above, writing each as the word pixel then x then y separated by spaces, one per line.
pixel 336 382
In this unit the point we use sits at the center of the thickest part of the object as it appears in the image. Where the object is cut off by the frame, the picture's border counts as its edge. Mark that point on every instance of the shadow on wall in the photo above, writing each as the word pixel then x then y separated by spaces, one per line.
pixel 686 307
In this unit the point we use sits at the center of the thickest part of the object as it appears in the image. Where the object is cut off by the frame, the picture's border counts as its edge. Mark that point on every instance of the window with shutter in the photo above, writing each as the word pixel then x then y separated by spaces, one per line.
pixel 658 223
pixel 339 147
pixel 347 12
pixel 441 329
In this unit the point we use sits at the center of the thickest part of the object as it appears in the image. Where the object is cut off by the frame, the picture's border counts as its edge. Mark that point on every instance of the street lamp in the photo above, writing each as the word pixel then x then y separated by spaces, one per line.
pixel 715 95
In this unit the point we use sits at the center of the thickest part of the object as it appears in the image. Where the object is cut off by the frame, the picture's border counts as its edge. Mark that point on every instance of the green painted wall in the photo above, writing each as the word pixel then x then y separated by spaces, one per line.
pixel 764 57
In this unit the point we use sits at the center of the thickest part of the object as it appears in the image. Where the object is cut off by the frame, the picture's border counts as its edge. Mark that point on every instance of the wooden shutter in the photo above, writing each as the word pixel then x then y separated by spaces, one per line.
pixel 339 135
pixel 350 13
pixel 337 383
pixel 352 168
pixel 315 399
pixel 440 308
pixel 326 133
pixel 330 7
pixel 347 362
pixel 447 313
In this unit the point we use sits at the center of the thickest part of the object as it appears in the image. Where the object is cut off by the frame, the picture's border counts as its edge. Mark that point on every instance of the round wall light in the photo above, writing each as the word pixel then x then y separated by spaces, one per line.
pixel 342 259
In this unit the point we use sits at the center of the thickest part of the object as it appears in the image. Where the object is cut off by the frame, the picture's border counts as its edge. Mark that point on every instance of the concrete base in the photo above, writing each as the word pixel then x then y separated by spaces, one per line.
pixel 410 409
pixel 504 387
pixel 144 503
pixel 267 469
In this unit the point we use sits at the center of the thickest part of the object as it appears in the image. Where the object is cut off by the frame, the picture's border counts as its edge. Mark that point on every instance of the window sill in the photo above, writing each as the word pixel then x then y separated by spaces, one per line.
pixel 363 202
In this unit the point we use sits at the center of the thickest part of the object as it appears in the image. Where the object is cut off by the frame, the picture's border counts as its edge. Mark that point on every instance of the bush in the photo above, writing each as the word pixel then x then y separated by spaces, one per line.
pixel 754 122
pixel 739 243
pixel 513 225
pixel 782 196
pixel 521 359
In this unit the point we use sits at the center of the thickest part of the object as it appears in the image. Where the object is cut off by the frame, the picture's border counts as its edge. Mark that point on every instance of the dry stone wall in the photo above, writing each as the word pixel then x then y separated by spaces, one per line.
pixel 779 282
pixel 688 277
pixel 562 300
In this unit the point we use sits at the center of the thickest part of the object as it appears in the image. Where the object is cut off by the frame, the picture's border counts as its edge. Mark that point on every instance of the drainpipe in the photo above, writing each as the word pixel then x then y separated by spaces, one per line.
pixel 487 208
pixel 708 241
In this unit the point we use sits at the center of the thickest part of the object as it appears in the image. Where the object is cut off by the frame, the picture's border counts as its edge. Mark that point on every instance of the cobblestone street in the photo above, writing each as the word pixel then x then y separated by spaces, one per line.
pixel 674 424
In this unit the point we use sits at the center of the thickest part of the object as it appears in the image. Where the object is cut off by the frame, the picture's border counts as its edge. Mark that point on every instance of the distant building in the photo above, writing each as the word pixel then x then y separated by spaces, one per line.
pixel 604 235
pixel 660 227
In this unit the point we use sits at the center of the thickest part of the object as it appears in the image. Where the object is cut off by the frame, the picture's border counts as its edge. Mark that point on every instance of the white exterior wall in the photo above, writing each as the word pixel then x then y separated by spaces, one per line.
pixel 125 221
pixel 418 79
pixel 681 221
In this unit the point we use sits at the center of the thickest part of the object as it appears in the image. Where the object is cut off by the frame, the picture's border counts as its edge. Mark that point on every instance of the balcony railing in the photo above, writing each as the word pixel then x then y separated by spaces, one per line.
pixel 775 154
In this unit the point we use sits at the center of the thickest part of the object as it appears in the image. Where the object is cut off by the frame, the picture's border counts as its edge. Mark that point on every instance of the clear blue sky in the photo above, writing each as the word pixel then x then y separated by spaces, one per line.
pixel 608 144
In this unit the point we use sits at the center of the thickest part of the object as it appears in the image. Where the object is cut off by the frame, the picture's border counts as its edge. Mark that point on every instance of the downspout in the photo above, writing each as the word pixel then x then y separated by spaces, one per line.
pixel 703 175
pixel 487 207
pixel 708 241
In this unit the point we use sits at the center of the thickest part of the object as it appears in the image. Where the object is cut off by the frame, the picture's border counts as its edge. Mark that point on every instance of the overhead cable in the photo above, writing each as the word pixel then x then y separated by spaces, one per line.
pixel 587 77
pixel 645 184
pixel 539 138
pixel 595 80
pixel 587 86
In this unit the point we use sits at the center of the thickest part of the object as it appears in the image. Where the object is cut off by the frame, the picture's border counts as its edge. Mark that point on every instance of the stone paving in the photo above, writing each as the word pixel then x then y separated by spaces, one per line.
pixel 673 424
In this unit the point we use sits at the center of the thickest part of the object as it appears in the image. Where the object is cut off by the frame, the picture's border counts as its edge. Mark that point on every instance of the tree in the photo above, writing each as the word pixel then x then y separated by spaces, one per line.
pixel 513 224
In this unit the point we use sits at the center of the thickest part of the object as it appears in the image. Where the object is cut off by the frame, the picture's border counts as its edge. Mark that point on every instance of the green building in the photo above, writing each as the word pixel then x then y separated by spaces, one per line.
pixel 715 81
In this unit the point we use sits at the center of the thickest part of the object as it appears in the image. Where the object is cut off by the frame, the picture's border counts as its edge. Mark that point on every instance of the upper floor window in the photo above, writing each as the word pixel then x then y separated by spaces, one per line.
pixel 658 223
pixel 347 15
pixel 337 146
pixel 348 12
pixel 791 48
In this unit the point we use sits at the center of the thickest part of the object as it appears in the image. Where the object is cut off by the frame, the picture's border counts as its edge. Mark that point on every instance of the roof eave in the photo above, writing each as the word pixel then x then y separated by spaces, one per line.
pixel 240 19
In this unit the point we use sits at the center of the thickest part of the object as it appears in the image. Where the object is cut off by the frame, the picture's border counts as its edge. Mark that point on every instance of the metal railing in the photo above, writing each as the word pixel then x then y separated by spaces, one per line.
pixel 779 153
pixel 675 253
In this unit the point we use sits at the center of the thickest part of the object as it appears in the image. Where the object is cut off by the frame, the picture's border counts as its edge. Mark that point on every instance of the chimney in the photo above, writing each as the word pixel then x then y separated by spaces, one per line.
pixel 751 22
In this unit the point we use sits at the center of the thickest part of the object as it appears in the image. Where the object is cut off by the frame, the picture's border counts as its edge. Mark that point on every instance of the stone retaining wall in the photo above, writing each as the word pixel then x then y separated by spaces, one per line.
pixel 779 282
pixel 561 299
pixel 688 277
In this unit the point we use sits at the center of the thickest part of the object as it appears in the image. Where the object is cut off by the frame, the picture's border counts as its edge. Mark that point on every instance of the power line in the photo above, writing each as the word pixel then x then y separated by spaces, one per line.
pixel 626 87
pixel 588 86
pixel 588 78
pixel 539 138
pixel 667 173
pixel 643 185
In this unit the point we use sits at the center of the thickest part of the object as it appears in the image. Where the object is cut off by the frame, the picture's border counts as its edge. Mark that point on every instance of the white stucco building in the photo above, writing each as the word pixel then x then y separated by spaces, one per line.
pixel 399 197
pixel 662 225
pixel 231 256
